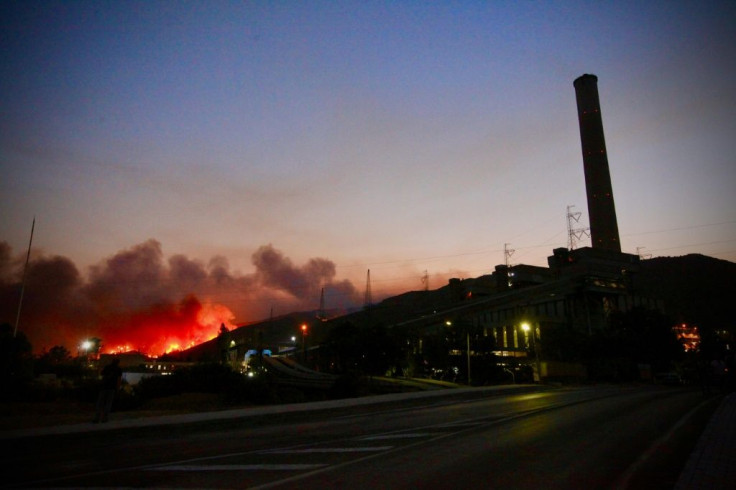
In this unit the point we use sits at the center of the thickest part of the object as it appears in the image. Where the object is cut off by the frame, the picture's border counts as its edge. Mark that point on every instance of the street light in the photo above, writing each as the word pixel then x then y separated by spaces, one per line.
pixel 537 373
pixel 86 345
pixel 304 343
pixel 467 348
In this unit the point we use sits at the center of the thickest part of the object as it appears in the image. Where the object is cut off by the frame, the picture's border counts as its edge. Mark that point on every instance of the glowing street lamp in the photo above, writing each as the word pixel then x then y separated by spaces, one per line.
pixel 467 348
pixel 85 346
pixel 304 342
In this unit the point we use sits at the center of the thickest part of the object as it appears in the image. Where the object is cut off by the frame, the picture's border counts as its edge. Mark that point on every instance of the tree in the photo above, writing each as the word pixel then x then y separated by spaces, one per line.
pixel 638 336
pixel 648 338
pixel 58 354
pixel 224 340
pixel 369 350
pixel 58 360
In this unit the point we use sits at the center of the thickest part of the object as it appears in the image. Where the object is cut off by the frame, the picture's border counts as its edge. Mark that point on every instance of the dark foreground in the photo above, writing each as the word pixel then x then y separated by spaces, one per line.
pixel 600 437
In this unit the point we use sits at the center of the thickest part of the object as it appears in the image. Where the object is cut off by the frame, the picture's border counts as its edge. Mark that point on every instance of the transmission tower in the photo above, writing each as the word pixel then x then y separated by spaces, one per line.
pixel 321 313
pixel 642 255
pixel 425 281
pixel 507 253
pixel 574 235
pixel 368 299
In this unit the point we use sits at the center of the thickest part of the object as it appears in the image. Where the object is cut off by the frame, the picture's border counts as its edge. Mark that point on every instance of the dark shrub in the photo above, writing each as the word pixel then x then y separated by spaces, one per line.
pixel 126 399
pixel 86 390
pixel 233 387
pixel 207 378
pixel 158 386
pixel 242 390
pixel 39 392
pixel 290 395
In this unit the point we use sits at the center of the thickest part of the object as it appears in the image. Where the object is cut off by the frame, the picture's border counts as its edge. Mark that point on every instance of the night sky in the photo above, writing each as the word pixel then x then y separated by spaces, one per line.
pixel 251 153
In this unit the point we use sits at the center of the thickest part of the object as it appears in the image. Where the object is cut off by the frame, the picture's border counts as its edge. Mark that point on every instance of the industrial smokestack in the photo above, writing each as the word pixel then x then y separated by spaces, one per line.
pixel 601 209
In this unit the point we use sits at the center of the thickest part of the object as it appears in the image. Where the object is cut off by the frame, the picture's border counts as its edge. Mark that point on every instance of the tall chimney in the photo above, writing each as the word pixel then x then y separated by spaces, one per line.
pixel 601 209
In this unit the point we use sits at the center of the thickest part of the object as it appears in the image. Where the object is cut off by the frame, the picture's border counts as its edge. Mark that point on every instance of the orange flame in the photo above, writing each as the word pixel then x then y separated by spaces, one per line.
pixel 167 328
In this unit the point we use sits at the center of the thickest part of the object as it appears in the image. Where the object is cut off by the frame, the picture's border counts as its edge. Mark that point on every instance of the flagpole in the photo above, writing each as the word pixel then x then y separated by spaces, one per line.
pixel 23 282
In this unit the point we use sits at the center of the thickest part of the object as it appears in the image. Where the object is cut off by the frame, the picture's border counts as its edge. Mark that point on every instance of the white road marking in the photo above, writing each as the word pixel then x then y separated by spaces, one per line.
pixel 396 436
pixel 330 450
pixel 457 425
pixel 238 467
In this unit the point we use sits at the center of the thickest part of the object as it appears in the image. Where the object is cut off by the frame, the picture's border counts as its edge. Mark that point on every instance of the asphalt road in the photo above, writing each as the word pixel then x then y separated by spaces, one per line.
pixel 601 437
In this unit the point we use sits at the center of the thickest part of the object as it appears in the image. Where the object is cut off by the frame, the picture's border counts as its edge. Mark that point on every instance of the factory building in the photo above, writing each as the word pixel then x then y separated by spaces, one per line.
pixel 523 307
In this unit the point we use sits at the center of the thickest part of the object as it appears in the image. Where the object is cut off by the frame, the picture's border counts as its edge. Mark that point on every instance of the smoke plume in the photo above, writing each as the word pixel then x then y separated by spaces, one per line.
pixel 139 300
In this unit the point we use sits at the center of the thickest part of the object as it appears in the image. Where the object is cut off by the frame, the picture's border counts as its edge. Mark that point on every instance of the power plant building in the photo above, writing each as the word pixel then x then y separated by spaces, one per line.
pixel 530 312
pixel 523 307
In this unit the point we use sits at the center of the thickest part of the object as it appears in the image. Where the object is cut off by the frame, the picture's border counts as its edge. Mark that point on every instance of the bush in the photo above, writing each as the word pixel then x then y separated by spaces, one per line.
pixel 158 386
pixel 40 392
pixel 207 378
pixel 126 399
pixel 243 390
pixel 86 391
pixel 233 387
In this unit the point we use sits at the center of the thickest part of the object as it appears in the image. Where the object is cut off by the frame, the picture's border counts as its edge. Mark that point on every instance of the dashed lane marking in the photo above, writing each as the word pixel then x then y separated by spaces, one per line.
pixel 238 467
pixel 397 436
pixel 329 450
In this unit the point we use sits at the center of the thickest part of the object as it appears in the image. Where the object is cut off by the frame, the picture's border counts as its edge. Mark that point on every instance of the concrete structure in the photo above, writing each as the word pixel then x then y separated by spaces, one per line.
pixel 577 293
pixel 601 208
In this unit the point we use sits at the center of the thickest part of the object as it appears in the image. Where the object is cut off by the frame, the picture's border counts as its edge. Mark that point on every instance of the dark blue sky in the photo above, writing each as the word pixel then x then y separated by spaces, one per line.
pixel 395 136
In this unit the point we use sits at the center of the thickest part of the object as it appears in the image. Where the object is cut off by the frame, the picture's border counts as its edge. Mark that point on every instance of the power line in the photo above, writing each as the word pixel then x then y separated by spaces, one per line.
pixel 684 228
pixel 696 245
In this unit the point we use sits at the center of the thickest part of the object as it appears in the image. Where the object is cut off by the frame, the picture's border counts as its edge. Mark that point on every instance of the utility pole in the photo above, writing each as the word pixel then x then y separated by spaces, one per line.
pixel 467 339
pixel 368 299
pixel 304 343
pixel 23 281
pixel 321 313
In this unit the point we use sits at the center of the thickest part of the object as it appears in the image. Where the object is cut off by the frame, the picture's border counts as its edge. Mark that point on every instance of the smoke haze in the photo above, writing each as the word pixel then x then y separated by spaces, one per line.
pixel 139 300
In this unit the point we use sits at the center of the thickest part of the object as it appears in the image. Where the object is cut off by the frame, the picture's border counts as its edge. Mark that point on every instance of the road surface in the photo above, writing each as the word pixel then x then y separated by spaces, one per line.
pixel 596 437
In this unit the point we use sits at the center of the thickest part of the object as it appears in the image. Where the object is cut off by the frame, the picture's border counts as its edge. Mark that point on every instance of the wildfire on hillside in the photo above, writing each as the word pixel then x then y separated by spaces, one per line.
pixel 165 328
pixel 138 300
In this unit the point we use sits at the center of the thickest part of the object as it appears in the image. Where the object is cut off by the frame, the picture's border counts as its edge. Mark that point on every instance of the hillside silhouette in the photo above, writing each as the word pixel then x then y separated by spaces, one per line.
pixel 694 289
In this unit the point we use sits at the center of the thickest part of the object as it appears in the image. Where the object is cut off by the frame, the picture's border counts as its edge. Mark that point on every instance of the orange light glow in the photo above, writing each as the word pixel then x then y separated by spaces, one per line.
pixel 120 349
pixel 688 335
pixel 165 328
